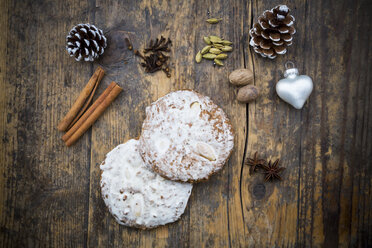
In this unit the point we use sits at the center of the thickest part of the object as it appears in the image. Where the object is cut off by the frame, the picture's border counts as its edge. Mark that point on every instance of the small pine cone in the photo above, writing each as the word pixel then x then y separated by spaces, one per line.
pixel 85 42
pixel 273 32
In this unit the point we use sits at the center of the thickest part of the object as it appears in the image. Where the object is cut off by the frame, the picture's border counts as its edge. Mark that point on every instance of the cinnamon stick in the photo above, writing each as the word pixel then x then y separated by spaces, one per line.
pixel 82 110
pixel 92 114
pixel 88 90
pixel 83 118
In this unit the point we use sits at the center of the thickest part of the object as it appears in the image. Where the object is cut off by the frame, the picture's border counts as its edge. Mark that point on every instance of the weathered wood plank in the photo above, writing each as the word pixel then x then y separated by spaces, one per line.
pixel 4 129
pixel 50 195
pixel 45 183
pixel 124 120
pixel 315 142
pixel 185 24
pixel 239 18
pixel 274 131
pixel 212 216
pixel 334 122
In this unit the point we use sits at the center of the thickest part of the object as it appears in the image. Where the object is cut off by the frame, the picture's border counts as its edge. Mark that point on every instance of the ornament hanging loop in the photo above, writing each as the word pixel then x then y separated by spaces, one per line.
pixel 289 63
pixel 290 69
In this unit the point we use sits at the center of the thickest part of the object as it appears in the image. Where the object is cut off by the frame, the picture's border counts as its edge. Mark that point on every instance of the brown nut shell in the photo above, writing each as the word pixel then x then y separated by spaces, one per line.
pixel 241 77
pixel 248 93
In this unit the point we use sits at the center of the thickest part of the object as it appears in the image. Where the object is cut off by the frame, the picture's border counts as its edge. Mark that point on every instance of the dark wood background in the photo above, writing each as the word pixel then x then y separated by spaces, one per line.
pixel 50 194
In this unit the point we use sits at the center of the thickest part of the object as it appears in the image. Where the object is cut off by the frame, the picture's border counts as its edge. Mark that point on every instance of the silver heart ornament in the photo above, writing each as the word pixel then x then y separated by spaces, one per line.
pixel 294 89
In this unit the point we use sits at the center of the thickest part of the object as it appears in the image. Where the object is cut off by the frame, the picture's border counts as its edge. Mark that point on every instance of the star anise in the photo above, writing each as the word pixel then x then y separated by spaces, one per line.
pixel 254 163
pixel 272 170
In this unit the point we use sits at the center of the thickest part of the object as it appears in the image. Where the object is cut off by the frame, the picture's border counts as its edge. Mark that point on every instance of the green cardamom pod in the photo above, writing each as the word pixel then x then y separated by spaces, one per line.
pixel 218 62
pixel 219 46
pixel 221 56
pixel 198 57
pixel 205 49
pixel 209 56
pixel 215 50
pixel 215 39
pixel 207 40
pixel 214 20
pixel 226 42
pixel 227 49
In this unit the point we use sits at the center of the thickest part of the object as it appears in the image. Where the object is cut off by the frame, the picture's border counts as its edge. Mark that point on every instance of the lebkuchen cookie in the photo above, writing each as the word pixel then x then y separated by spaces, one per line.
pixel 135 195
pixel 186 137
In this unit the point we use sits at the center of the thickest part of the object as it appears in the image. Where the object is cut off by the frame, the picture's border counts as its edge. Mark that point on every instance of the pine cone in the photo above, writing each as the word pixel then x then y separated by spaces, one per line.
pixel 86 41
pixel 273 32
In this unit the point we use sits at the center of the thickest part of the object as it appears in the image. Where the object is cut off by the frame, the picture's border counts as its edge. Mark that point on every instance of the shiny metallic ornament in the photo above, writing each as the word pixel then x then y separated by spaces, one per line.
pixel 294 89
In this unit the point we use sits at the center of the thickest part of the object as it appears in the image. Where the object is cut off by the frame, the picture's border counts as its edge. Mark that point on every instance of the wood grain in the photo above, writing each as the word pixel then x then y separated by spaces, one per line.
pixel 50 194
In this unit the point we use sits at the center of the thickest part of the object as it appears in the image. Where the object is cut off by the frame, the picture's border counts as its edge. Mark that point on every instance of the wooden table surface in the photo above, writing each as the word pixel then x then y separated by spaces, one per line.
pixel 50 194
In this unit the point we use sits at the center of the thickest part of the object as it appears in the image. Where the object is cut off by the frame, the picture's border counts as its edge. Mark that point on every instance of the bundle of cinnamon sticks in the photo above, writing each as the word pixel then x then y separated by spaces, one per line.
pixel 80 118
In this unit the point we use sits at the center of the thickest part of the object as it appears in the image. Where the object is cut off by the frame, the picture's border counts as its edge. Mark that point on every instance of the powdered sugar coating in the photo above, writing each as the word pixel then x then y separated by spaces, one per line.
pixel 135 195
pixel 186 137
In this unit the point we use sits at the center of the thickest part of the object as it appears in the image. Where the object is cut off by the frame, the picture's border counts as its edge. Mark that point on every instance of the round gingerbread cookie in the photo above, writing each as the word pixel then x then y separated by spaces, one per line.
pixel 135 195
pixel 186 137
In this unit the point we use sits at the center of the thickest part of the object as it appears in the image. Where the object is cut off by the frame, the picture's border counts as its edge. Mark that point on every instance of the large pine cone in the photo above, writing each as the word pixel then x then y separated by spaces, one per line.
pixel 86 41
pixel 273 33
